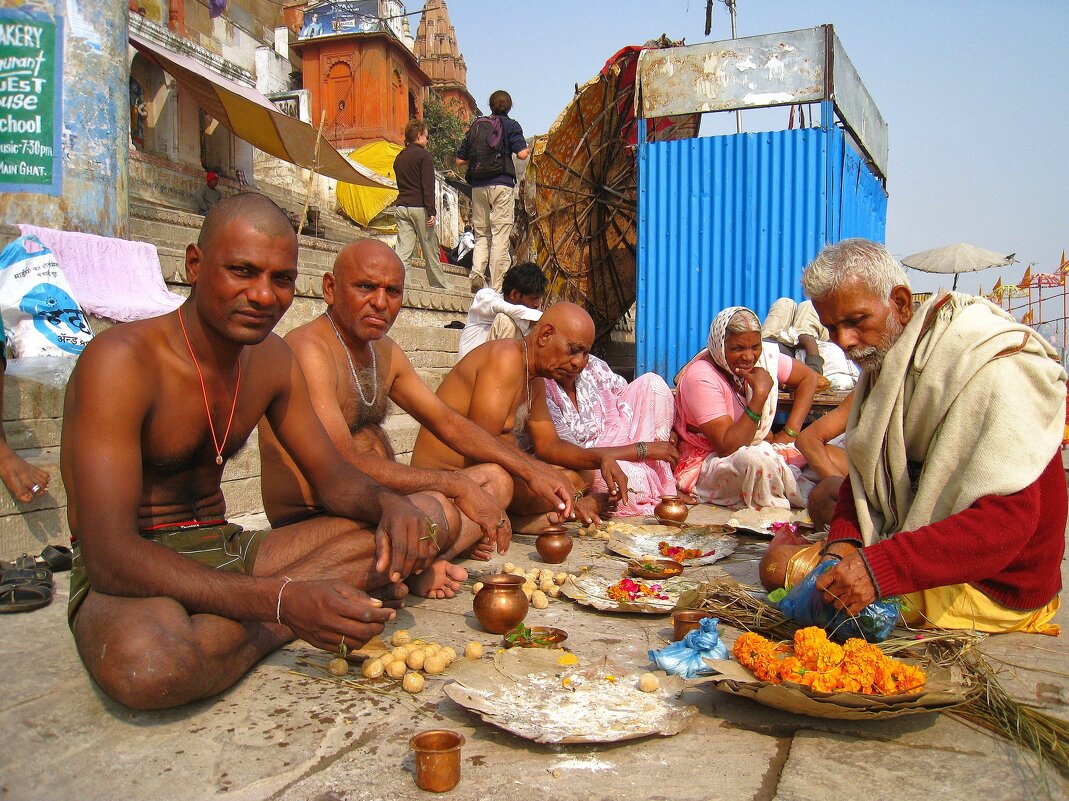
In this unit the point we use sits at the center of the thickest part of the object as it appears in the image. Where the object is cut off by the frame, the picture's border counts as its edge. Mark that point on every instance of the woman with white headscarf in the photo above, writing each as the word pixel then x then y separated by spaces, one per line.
pixel 725 404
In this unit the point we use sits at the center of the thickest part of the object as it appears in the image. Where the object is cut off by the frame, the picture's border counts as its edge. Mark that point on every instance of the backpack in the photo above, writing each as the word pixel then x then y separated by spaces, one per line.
pixel 488 155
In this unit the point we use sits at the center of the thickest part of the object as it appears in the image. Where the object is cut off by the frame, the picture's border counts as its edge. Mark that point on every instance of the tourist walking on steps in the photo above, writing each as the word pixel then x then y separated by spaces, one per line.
pixel 487 152
pixel 416 210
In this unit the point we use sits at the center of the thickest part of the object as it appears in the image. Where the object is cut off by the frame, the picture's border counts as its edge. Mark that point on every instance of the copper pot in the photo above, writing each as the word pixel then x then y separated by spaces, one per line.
pixel 671 511
pixel 437 759
pixel 553 544
pixel 687 620
pixel 501 603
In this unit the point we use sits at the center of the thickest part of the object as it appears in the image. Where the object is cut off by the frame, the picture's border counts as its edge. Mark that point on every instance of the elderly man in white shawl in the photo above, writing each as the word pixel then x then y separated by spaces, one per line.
pixel 956 496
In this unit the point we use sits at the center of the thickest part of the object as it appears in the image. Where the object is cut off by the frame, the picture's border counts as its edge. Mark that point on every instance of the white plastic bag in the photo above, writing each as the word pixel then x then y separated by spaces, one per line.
pixel 40 315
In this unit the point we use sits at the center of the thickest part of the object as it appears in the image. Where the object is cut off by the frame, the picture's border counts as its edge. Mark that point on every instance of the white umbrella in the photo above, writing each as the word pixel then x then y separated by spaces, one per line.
pixel 959 258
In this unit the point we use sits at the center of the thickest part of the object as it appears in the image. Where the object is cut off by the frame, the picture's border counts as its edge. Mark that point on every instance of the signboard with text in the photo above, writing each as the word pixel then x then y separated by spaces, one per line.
pixel 337 17
pixel 31 94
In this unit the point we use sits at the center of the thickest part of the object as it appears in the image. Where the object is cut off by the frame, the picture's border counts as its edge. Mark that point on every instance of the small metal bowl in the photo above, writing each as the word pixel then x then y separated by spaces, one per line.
pixel 541 637
pixel 662 568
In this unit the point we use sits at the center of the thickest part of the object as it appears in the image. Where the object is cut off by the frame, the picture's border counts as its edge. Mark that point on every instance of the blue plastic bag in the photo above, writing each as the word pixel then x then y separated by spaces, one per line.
pixel 805 604
pixel 684 657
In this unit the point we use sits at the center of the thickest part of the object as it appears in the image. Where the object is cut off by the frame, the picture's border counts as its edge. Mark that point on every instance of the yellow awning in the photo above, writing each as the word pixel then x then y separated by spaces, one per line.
pixel 252 117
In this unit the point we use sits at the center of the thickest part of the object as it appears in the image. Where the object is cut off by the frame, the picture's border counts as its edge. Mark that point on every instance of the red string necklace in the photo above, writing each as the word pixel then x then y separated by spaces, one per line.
pixel 204 393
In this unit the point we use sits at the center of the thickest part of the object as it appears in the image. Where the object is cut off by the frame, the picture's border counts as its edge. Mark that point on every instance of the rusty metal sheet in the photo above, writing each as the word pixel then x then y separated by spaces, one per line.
pixel 857 109
pixel 757 71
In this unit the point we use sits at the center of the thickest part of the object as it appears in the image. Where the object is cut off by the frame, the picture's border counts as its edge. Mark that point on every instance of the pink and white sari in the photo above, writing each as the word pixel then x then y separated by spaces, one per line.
pixel 612 412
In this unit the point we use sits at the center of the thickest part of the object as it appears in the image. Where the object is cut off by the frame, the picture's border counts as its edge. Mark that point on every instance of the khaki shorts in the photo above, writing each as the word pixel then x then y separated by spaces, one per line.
pixel 227 547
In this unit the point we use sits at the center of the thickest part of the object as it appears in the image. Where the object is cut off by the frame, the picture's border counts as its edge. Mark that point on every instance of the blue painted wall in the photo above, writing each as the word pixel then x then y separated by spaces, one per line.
pixel 733 220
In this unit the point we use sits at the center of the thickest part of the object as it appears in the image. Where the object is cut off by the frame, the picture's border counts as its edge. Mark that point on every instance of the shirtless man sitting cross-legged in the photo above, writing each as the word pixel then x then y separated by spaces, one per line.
pixel 491 386
pixel 170 603
pixel 353 368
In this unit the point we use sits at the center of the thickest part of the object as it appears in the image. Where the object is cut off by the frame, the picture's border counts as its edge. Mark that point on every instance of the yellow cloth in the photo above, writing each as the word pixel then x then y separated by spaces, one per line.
pixel 960 606
pixel 364 203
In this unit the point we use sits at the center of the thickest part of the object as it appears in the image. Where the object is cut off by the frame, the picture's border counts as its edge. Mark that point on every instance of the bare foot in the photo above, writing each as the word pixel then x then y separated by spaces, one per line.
pixel 392 595
pixel 482 550
pixel 441 580
pixel 688 499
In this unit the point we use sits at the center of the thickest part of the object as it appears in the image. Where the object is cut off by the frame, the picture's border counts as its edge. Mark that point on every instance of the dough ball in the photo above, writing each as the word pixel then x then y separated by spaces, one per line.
pixel 518 572
pixel 416 658
pixel 474 650
pixel 560 578
pixel 649 683
pixel 400 652
pixel 373 668
pixel 545 585
pixel 478 585
pixel 554 592
pixel 400 637
pixel 509 567
pixel 413 683
pixel 386 659
pixel 450 654
pixel 396 669
pixel 434 665
pixel 539 599
pixel 338 666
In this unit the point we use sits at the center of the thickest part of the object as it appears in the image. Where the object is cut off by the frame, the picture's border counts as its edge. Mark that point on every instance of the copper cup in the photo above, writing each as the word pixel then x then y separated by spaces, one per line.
pixel 685 621
pixel 437 759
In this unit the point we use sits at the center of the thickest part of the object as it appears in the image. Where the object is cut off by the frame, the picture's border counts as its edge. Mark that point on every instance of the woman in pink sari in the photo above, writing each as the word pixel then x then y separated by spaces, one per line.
pixel 725 402
pixel 630 424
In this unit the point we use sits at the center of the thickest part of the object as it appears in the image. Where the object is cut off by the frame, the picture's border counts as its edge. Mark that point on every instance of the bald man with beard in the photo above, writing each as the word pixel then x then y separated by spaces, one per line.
pixel 492 387
pixel 353 368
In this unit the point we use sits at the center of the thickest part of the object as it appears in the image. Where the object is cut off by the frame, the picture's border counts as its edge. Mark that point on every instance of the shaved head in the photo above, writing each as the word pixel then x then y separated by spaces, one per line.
pixel 363 251
pixel 262 213
pixel 571 320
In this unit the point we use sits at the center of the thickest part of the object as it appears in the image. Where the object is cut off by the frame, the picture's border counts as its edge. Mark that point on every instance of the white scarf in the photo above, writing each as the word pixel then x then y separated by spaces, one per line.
pixel 769 360
pixel 967 392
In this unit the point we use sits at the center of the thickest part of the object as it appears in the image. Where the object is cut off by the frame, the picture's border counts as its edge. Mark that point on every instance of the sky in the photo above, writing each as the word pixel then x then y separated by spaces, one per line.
pixel 975 95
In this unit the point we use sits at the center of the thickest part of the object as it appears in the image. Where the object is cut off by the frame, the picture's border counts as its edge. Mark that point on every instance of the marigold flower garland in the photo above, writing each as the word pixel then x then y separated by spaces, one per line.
pixel 822 665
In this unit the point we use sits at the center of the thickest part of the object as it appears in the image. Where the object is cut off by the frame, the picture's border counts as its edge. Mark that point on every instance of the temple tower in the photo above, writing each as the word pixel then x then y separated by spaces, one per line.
pixel 440 58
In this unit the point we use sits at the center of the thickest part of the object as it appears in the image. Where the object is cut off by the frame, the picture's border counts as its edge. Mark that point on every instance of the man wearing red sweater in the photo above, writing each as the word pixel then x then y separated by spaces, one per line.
pixel 956 496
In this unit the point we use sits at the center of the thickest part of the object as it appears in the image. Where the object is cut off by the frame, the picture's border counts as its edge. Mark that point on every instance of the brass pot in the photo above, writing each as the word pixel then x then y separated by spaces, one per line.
pixel 501 603
pixel 554 544
pixel 671 511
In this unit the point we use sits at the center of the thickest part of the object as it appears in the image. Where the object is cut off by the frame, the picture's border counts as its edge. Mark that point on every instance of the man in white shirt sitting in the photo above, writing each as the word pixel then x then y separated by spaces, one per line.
pixel 508 314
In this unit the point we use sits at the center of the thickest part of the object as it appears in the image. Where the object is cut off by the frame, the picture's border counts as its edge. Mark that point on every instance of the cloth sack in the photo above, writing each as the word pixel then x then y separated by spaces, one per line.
pixel 40 315
pixel 686 657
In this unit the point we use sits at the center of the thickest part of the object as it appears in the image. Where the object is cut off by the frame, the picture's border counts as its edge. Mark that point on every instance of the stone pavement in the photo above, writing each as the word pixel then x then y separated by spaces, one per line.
pixel 277 735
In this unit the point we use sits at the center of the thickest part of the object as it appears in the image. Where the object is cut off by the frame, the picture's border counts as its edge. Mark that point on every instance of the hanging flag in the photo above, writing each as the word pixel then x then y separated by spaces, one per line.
pixel 1026 279
pixel 1027 319
pixel 1063 268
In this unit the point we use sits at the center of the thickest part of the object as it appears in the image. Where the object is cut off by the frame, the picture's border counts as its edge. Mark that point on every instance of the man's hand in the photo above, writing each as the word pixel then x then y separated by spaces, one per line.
pixel 615 479
pixel 323 612
pixel 586 511
pixel 23 480
pixel 662 452
pixel 405 540
pixel 781 438
pixel 482 508
pixel 847 586
pixel 431 219
pixel 551 484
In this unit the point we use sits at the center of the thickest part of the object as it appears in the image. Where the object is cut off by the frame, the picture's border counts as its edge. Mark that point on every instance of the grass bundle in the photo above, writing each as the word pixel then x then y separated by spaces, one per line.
pixel 989 707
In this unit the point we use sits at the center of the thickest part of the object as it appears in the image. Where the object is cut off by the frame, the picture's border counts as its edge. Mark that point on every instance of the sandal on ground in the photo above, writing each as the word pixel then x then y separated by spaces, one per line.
pixel 58 558
pixel 16 597
pixel 24 586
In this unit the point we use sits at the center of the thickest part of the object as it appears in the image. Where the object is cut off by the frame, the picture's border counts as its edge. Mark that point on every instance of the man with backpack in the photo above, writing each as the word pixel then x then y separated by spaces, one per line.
pixel 487 152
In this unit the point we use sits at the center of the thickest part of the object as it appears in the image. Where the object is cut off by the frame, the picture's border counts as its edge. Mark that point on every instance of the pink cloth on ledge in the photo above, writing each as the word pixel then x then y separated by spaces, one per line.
pixel 114 278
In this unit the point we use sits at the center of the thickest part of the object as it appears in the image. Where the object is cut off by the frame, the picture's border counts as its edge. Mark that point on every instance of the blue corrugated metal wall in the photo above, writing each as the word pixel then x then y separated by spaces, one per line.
pixel 733 220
